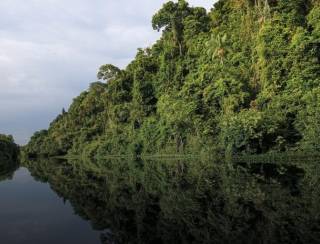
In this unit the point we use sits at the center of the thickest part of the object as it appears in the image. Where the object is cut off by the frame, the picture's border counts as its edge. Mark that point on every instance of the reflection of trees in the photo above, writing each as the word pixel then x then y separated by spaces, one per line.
pixel 190 202
pixel 7 169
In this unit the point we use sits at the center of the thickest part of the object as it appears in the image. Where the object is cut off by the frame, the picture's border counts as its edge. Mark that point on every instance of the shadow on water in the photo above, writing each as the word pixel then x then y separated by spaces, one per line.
pixel 7 169
pixel 191 201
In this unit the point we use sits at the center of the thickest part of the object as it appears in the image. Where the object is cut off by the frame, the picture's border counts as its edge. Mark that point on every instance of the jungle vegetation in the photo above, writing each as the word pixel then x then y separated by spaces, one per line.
pixel 9 151
pixel 243 77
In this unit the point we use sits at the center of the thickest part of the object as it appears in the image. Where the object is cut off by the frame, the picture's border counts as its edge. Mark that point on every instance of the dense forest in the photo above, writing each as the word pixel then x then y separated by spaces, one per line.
pixel 9 151
pixel 241 78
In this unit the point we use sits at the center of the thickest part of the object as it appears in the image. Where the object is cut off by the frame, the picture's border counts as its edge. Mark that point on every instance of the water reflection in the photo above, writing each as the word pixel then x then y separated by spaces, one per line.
pixel 188 201
pixel 7 169
pixel 30 212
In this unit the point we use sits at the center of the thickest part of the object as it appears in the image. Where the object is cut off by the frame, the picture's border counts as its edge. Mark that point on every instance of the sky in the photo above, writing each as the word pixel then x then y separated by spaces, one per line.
pixel 50 51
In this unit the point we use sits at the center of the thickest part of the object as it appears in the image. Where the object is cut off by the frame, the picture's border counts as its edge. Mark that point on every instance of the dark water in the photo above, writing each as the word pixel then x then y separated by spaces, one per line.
pixel 265 199
pixel 30 212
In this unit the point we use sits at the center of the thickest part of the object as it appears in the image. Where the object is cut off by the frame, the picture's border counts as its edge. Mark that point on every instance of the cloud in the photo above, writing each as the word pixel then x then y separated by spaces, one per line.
pixel 50 51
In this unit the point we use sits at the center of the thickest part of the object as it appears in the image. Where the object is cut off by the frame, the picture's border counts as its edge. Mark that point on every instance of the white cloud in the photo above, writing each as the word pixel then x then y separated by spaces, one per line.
pixel 50 51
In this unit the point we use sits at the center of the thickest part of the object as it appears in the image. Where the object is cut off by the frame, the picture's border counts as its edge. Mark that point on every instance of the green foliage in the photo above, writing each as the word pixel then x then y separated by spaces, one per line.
pixel 242 78
pixel 9 151
pixel 308 120
pixel 108 72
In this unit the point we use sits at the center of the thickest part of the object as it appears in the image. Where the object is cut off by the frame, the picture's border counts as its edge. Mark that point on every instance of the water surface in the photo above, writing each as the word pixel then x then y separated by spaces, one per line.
pixel 260 199
pixel 30 212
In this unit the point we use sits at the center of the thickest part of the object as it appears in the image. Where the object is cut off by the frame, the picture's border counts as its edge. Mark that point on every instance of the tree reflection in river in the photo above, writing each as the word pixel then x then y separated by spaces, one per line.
pixel 191 201
pixel 7 169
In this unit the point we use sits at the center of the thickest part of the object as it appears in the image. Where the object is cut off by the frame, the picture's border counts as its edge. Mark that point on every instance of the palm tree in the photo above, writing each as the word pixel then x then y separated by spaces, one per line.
pixel 218 43
pixel 264 10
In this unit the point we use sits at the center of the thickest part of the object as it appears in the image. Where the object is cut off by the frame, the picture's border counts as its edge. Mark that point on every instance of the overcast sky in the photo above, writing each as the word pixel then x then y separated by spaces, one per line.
pixel 50 51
